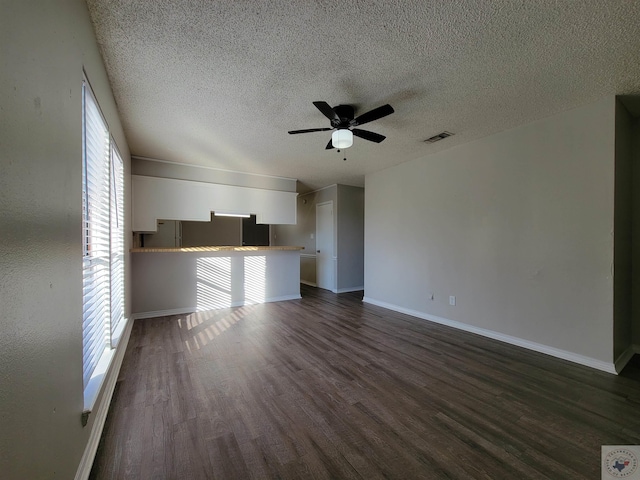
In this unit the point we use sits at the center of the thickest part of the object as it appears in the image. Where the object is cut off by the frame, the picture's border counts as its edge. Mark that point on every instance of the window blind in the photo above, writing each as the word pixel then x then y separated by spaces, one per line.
pixel 96 223
pixel 117 245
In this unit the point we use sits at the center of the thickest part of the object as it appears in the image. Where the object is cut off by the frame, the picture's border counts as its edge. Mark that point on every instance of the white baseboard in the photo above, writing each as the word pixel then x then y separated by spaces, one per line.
pixel 189 310
pixel 349 289
pixel 537 347
pixel 100 414
pixel 163 313
pixel 311 284
pixel 282 298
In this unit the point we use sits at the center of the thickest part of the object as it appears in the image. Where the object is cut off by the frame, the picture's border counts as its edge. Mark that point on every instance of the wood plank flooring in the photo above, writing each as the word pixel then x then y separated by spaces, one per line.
pixel 329 387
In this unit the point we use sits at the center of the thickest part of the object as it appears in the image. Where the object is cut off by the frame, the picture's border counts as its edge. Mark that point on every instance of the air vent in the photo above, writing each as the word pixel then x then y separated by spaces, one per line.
pixel 437 138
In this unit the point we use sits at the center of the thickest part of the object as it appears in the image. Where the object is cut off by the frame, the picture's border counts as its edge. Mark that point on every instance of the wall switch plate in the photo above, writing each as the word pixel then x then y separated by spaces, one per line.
pixel 311 236
pixel 431 297
pixel 452 300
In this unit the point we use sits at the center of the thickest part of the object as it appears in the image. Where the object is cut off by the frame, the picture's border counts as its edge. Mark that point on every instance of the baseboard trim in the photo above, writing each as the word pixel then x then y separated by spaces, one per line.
pixel 189 310
pixel 311 284
pixel 627 355
pixel 283 298
pixel 100 414
pixel 350 289
pixel 537 347
pixel 163 313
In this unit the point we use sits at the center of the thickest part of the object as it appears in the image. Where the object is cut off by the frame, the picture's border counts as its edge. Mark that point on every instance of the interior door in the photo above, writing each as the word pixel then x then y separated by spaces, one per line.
pixel 325 271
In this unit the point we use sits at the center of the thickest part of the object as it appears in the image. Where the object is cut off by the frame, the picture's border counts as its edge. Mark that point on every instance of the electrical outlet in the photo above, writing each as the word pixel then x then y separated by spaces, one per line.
pixel 452 300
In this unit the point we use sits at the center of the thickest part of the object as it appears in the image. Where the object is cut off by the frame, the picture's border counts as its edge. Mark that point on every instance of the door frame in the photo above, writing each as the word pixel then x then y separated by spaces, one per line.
pixel 332 259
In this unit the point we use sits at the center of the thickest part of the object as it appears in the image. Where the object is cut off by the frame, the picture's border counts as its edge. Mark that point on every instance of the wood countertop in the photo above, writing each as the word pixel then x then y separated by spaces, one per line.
pixel 213 249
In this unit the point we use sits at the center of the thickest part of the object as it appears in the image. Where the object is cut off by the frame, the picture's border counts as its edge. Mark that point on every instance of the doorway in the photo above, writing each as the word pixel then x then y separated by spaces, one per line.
pixel 254 234
pixel 325 264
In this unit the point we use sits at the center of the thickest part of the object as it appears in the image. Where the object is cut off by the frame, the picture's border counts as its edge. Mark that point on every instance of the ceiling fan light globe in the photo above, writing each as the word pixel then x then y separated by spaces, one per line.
pixel 342 138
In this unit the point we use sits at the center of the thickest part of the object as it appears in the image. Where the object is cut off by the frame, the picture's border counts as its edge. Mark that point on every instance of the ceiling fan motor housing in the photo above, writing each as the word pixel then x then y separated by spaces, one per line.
pixel 346 114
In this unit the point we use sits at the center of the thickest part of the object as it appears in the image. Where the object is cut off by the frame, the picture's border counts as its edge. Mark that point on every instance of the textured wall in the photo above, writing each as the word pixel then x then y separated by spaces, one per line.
pixel 350 237
pixel 45 46
pixel 622 267
pixel 636 230
pixel 517 225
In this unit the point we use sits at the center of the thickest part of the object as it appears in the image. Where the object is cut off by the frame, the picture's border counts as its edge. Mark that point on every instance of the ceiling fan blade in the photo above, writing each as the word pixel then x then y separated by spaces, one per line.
pixel 374 114
pixel 329 145
pixel 327 111
pixel 310 130
pixel 367 135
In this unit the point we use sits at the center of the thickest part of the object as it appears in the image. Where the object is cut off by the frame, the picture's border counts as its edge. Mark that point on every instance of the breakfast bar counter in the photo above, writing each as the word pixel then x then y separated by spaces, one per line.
pixel 172 281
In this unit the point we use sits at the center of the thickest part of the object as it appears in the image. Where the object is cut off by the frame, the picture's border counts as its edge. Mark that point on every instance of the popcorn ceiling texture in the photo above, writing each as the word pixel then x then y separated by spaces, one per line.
pixel 219 83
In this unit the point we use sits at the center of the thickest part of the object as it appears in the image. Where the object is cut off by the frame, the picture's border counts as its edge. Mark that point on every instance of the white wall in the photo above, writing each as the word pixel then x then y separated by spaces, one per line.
pixel 518 226
pixel 45 46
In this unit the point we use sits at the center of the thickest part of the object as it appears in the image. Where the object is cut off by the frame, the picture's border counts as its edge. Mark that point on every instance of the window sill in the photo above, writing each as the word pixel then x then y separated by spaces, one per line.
pixel 96 381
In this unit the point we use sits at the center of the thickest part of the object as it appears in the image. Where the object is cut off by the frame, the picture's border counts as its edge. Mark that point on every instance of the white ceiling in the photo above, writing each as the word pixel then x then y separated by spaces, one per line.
pixel 219 83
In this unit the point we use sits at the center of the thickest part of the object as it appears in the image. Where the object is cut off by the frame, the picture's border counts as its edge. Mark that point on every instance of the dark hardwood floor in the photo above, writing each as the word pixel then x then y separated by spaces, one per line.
pixel 329 387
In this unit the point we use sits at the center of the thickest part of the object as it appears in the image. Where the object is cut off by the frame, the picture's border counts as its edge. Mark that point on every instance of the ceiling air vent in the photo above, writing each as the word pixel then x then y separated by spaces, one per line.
pixel 437 138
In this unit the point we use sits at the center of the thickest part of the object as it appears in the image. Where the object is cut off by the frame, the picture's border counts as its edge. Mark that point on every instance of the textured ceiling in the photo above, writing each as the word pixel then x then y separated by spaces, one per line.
pixel 219 83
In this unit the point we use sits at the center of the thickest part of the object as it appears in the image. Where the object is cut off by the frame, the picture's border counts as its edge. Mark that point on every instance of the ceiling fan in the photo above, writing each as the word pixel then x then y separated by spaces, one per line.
pixel 343 123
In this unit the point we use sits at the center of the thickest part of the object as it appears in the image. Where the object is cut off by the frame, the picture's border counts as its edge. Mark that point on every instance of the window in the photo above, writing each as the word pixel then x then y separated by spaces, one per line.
pixel 117 245
pixel 103 246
